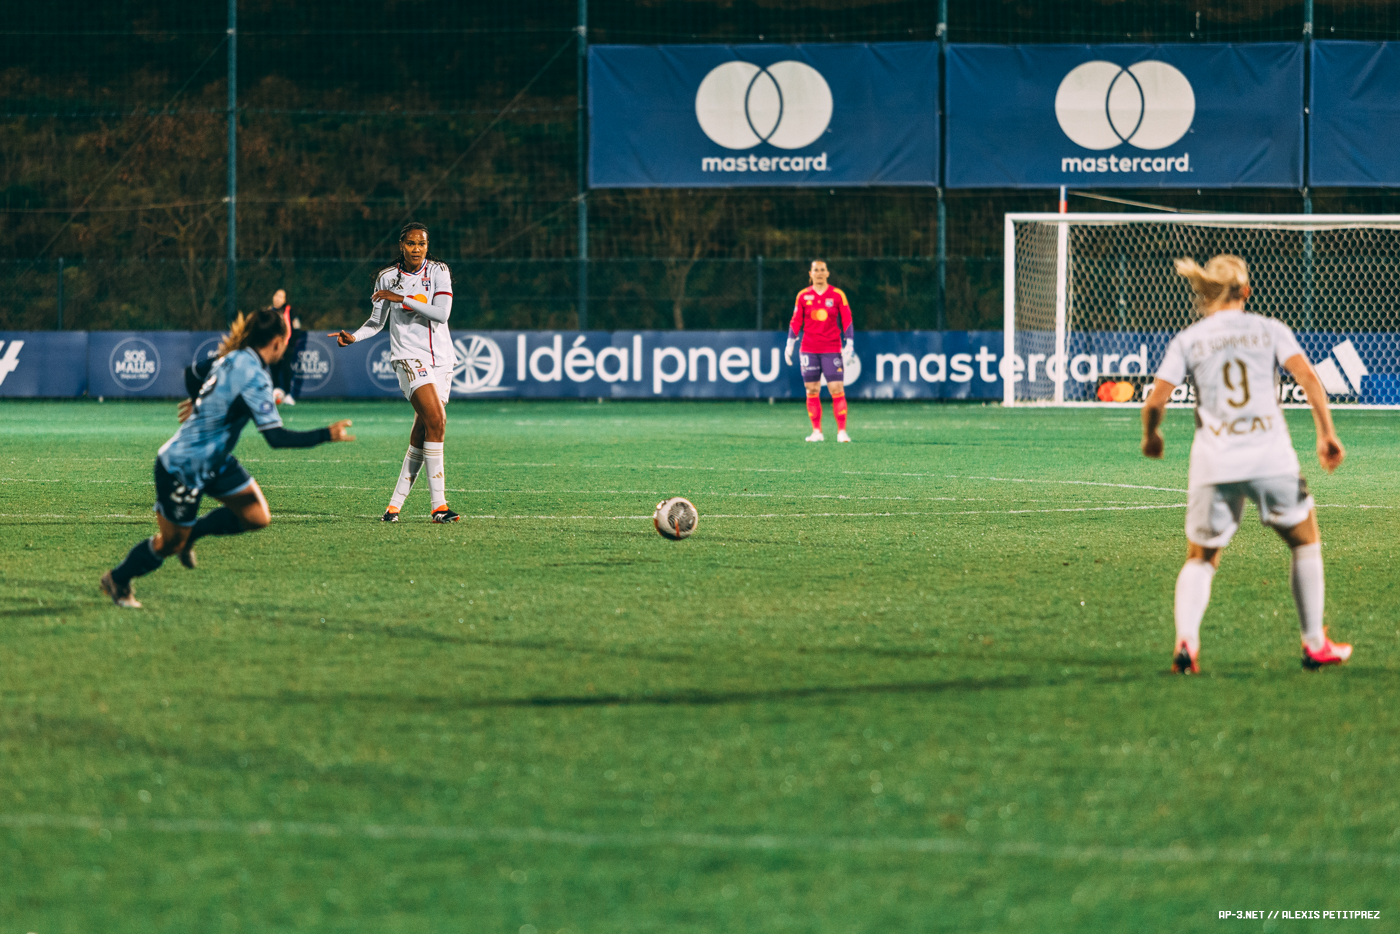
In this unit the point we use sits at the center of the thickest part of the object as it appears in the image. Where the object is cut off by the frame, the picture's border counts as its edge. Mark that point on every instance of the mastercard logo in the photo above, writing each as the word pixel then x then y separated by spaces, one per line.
pixel 819 314
pixel 420 297
pixel 1112 391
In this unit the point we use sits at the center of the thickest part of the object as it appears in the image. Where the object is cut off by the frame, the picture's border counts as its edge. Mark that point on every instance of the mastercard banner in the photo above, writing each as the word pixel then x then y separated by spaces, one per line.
pixel 1125 116
pixel 720 116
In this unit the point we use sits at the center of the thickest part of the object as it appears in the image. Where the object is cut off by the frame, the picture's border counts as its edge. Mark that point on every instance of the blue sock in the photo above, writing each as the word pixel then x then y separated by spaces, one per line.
pixel 221 521
pixel 139 562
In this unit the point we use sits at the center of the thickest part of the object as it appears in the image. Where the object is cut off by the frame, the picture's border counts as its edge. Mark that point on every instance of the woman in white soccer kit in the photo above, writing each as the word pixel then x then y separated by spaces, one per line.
pixel 414 298
pixel 1242 450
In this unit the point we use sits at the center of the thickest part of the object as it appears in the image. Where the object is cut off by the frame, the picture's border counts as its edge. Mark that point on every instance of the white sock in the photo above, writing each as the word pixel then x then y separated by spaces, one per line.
pixel 1305 576
pixel 437 482
pixel 1192 598
pixel 412 463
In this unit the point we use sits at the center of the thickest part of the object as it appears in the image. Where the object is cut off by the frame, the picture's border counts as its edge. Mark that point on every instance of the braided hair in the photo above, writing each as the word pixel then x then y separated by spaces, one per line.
pixel 397 263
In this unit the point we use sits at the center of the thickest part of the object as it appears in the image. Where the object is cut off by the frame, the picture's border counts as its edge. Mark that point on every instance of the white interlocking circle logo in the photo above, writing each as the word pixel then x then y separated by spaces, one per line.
pixel 1149 105
pixel 740 104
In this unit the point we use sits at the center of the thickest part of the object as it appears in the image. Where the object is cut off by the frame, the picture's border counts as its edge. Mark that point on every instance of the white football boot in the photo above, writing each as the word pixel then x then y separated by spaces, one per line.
pixel 842 437
pixel 816 435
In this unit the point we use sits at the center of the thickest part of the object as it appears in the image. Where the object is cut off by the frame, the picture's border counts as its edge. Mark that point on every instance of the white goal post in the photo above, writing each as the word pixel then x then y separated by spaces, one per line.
pixel 1091 300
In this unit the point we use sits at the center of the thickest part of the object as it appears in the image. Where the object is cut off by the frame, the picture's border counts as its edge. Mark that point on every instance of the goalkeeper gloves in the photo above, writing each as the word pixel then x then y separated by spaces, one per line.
pixel 848 353
pixel 787 354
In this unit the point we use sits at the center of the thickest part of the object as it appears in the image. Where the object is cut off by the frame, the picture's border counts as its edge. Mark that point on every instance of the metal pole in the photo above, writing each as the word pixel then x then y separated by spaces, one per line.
pixel 941 259
pixel 1308 309
pixel 60 293
pixel 758 297
pixel 231 300
pixel 941 265
pixel 582 166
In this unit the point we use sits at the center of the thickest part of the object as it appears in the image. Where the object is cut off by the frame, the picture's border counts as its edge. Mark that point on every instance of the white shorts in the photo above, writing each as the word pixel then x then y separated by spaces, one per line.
pixel 413 373
pixel 1213 512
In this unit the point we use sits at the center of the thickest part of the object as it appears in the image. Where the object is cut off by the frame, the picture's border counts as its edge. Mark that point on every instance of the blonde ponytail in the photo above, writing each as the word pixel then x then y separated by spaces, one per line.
pixel 253 330
pixel 1222 281
pixel 236 336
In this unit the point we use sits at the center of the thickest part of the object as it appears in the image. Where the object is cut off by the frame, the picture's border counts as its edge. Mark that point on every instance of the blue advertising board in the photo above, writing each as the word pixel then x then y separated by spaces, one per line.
pixel 1125 116
pixel 1354 367
pixel 39 364
pixel 717 116
pixel 140 364
pixel 720 365
pixel 1355 105
pixel 520 364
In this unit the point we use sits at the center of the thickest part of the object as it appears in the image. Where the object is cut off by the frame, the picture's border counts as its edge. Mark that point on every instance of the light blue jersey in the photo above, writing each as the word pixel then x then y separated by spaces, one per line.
pixel 239 387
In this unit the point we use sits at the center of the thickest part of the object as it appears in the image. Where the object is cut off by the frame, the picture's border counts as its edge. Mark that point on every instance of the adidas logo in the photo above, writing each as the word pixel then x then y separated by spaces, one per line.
pixel 10 361
pixel 1332 379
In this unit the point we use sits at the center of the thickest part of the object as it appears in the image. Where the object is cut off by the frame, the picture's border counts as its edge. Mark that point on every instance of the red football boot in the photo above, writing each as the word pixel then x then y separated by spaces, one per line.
pixel 1185 661
pixel 1331 653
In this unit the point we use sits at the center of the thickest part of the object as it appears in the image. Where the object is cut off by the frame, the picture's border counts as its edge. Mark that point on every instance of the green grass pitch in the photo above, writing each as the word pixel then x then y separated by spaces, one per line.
pixel 914 683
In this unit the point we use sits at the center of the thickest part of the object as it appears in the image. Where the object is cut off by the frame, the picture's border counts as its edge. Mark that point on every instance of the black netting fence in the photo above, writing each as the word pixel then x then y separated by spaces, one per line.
pixel 355 116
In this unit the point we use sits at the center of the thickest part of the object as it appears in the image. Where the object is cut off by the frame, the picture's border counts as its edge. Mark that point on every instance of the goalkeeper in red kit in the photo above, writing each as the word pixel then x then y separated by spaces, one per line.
pixel 822 316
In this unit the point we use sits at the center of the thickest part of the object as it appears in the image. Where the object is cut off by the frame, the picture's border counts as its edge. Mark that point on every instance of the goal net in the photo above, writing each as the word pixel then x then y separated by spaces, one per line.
pixel 1093 299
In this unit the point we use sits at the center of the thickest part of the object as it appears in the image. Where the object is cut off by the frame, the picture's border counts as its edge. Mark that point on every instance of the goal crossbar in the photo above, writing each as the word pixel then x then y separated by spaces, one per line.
pixel 1298 221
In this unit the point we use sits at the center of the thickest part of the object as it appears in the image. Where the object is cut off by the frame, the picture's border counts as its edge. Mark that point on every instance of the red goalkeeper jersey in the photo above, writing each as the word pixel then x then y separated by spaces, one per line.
pixel 822 318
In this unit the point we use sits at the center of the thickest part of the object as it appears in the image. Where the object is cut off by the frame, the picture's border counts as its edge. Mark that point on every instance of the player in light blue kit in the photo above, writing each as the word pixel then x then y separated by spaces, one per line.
pixel 225 393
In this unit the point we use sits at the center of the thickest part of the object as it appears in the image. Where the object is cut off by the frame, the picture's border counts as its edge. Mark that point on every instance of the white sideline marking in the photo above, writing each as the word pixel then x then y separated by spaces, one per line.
pixel 707 841
pixel 1351 506
pixel 147 515
pixel 727 469
pixel 1121 486
pixel 708 515
pixel 838 515
pixel 949 476
pixel 342 486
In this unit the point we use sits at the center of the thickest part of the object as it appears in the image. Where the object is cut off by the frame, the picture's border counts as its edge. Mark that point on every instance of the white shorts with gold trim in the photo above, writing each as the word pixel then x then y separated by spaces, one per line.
pixel 1213 511
pixel 414 373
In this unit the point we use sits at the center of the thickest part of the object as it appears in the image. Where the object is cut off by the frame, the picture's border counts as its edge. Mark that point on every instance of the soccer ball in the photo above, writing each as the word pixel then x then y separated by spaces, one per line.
pixel 675 518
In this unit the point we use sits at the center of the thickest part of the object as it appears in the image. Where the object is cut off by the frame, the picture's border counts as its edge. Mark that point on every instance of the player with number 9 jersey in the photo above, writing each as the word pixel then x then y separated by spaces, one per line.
pixel 1242 450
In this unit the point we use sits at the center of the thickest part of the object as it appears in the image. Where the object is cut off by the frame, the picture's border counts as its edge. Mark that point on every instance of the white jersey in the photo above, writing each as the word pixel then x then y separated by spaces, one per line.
pixel 413 336
pixel 1240 430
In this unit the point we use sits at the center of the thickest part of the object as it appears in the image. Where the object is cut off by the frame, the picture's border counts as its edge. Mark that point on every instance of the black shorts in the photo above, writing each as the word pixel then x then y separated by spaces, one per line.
pixel 180 504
